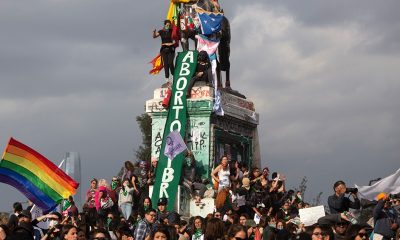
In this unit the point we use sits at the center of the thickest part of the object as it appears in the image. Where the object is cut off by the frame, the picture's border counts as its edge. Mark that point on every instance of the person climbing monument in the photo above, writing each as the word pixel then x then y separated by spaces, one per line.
pixel 167 50
pixel 203 72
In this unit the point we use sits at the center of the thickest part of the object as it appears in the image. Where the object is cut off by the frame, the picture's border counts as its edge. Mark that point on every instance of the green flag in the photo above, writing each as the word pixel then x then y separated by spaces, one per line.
pixel 168 171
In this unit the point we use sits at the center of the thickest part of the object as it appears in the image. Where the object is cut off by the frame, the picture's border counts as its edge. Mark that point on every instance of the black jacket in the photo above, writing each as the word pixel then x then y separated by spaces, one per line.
pixel 383 219
pixel 339 204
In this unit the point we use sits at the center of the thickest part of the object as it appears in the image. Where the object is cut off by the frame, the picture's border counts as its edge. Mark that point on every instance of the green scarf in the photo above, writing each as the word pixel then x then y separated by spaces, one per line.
pixel 66 204
pixel 197 234
pixel 146 208
pixel 114 185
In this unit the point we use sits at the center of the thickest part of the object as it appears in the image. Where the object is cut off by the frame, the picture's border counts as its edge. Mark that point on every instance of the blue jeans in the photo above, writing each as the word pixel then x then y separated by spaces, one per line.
pixel 126 209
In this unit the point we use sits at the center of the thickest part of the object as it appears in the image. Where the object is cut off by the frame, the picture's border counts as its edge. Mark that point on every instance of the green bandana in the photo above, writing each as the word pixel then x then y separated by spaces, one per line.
pixel 66 204
pixel 146 208
pixel 114 185
pixel 108 221
pixel 197 234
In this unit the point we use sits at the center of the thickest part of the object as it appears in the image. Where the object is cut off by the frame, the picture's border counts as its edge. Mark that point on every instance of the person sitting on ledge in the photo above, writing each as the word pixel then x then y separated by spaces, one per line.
pixel 203 72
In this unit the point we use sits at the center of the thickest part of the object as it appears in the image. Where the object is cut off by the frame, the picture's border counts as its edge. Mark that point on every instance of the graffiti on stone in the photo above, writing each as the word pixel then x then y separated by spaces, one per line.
pixel 157 143
pixel 156 136
pixel 198 137
pixel 200 92
pixel 233 100
pixel 197 140
pixel 154 106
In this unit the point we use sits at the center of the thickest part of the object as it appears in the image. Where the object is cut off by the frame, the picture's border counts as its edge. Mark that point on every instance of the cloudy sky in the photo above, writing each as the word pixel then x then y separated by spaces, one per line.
pixel 324 76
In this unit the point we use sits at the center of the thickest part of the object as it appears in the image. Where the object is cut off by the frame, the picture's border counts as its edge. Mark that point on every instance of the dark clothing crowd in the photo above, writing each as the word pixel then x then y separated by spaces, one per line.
pixel 250 204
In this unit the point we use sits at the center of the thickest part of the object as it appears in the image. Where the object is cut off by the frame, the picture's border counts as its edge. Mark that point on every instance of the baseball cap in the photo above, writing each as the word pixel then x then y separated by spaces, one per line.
pixel 162 201
pixel 25 213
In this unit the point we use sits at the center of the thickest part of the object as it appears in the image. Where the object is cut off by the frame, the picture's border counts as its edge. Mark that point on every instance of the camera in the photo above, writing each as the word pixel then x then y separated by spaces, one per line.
pixel 394 196
pixel 352 190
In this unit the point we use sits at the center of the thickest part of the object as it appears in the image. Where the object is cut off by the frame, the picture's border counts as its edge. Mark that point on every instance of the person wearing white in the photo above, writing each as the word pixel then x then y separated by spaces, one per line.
pixel 125 199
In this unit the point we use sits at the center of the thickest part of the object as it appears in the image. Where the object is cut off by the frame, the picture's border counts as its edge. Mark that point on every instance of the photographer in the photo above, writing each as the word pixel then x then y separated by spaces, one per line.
pixel 338 202
pixel 385 217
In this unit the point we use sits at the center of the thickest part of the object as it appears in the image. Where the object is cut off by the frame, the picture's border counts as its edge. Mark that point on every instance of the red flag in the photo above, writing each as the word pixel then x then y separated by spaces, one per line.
pixel 176 35
pixel 157 65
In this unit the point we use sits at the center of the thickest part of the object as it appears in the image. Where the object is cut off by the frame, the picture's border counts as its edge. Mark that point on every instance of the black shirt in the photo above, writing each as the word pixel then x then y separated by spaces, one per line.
pixel 339 204
pixel 166 35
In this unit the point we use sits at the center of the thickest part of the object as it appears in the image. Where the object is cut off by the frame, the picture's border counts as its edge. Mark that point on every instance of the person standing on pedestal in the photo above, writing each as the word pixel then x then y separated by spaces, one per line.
pixel 167 50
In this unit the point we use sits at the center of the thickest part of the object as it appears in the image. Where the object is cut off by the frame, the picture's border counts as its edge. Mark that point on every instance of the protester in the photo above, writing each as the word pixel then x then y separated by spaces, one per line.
pixel 13 219
pixel 318 233
pixel 167 50
pixel 143 207
pixel 338 202
pixel 237 232
pixel 152 171
pixel 221 174
pixel 100 234
pixel 69 232
pixel 5 234
pixel 90 203
pixel 203 72
pixel 143 229
pixel 385 217
pixel 104 202
pixel 125 198
pixel 214 229
pixel 356 232
pixel 161 233
pixel 197 229
pixel 128 170
pixel 244 210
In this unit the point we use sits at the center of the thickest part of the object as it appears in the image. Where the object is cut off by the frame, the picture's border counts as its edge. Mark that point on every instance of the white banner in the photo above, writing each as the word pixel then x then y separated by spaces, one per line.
pixel 389 184
pixel 310 216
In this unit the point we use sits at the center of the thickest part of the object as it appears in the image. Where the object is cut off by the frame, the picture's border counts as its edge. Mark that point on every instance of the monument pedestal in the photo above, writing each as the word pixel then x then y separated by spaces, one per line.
pixel 208 135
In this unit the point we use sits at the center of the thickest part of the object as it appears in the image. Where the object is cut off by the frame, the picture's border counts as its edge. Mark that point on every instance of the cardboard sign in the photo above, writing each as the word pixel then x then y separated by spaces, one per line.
pixel 310 216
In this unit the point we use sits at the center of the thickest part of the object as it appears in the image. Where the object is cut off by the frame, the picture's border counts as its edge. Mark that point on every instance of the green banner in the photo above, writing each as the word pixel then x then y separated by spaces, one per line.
pixel 168 171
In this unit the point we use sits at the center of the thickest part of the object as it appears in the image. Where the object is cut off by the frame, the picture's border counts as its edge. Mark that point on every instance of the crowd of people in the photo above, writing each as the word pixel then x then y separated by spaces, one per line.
pixel 250 204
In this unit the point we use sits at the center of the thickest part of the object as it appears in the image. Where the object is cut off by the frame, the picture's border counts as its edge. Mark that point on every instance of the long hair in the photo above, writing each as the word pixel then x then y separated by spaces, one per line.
pixel 129 166
pixel 203 226
pixel 214 229
pixel 234 229
pixel 100 230
pixel 65 229
pixel 352 231
pixel 162 229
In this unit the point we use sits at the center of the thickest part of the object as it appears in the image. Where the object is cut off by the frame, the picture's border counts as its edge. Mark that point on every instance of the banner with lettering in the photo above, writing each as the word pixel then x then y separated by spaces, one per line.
pixel 168 172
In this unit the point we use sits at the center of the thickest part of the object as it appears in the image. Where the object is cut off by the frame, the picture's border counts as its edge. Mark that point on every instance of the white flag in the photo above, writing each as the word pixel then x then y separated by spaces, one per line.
pixel 389 184
pixel 217 108
pixel 174 145
pixel 37 212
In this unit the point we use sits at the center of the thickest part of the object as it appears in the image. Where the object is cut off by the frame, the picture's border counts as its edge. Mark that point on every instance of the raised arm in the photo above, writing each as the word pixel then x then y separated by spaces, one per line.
pixel 356 204
pixel 155 33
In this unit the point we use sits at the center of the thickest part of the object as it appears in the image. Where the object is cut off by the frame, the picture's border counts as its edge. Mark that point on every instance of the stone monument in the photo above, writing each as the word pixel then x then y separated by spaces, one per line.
pixel 208 135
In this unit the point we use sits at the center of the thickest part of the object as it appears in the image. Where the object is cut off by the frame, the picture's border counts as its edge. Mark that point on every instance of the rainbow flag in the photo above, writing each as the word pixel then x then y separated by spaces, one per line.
pixel 35 176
